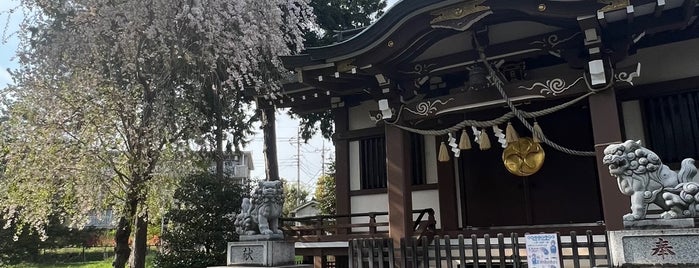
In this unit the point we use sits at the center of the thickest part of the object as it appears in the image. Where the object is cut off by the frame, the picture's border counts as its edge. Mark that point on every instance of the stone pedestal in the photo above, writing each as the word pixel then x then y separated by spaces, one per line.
pixel 261 237
pixel 261 253
pixel 659 224
pixel 654 247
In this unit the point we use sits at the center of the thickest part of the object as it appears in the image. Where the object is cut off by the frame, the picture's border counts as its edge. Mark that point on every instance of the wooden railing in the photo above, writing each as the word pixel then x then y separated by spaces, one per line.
pixel 331 227
pixel 586 250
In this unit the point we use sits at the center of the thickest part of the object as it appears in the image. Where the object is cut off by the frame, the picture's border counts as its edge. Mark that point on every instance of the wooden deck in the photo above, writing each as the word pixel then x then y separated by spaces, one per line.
pixel 361 240
pixel 343 228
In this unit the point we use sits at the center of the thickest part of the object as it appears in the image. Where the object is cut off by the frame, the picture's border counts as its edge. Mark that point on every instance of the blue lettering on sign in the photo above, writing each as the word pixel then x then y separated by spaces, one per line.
pixel 539 238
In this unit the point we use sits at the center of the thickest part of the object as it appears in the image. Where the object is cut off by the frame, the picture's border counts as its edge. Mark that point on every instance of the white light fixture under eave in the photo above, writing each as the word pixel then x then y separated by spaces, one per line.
pixel 386 111
pixel 597 76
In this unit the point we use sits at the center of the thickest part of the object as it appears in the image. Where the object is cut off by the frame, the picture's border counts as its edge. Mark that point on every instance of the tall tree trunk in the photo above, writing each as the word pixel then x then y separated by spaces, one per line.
pixel 219 144
pixel 270 143
pixel 123 232
pixel 140 245
pixel 121 242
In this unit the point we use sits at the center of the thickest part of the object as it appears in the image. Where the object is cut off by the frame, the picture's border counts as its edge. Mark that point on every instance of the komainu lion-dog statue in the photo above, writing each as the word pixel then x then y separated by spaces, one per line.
pixel 641 174
pixel 261 214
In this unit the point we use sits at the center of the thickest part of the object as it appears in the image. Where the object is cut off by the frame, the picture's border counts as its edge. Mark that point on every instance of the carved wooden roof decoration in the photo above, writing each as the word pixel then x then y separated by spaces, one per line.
pixel 423 49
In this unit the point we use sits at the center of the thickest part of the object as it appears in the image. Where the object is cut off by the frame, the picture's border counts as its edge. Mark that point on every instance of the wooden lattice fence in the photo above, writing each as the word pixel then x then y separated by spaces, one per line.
pixel 576 251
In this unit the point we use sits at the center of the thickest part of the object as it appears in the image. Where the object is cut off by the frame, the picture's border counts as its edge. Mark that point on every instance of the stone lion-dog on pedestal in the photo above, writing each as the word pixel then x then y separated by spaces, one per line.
pixel 260 215
pixel 641 174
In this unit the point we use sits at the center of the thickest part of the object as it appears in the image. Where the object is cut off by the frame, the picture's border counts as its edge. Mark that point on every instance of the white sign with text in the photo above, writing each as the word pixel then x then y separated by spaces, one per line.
pixel 542 251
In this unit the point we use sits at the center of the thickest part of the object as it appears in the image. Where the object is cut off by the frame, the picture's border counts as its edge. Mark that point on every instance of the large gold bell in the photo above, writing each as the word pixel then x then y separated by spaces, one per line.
pixel 523 157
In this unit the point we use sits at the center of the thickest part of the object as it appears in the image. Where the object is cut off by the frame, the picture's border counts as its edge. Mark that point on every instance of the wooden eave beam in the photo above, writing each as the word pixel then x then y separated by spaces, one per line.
pixel 290 102
pixel 529 47
pixel 327 75
pixel 416 20
pixel 413 37
pixel 301 60
pixel 338 83
pixel 406 43
pixel 659 7
pixel 689 7
pixel 398 68
pixel 310 107
pixel 334 72
pixel 563 84
pixel 675 19
pixel 513 50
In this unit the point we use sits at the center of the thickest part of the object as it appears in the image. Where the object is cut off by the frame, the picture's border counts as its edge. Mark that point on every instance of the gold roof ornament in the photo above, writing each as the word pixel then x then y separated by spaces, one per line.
pixel 523 157
pixel 612 5
pixel 458 11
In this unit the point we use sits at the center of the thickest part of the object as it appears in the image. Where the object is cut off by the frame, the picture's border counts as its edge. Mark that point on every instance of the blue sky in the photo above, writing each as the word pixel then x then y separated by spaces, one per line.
pixel 9 43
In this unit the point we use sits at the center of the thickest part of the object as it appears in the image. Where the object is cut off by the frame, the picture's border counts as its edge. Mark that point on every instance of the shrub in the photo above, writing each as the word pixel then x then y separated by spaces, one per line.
pixel 13 251
pixel 201 223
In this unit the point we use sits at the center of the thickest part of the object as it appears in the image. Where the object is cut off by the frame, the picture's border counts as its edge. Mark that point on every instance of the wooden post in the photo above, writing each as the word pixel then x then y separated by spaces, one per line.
pixel 372 223
pixel 342 180
pixel 319 261
pixel 400 205
pixel 319 226
pixel 270 143
pixel 446 177
pixel 606 129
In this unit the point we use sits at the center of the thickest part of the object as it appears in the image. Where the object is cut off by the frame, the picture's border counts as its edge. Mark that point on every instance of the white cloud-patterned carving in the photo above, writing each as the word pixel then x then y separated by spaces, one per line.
pixel 552 86
pixel 426 108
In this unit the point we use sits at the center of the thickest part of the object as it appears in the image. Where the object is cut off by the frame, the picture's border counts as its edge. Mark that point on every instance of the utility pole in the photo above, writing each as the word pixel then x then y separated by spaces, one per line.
pixel 322 155
pixel 298 166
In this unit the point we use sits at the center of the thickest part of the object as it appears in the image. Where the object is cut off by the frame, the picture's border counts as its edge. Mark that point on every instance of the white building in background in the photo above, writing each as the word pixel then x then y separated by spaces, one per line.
pixel 307 209
pixel 101 220
pixel 236 166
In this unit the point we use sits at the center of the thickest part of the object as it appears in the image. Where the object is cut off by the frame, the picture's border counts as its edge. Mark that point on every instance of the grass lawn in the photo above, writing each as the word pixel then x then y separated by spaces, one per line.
pixel 69 258
pixel 91 264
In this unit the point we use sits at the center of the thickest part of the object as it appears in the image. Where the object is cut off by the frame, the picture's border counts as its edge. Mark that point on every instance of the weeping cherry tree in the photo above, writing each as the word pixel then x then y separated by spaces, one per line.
pixel 104 106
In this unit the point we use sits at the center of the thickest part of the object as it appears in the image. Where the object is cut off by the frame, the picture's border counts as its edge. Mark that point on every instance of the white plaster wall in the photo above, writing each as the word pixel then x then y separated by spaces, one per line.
pixel 379 203
pixel 430 159
pixel 633 121
pixel 355 183
pixel 369 203
pixel 359 115
pixel 427 199
pixel 667 62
